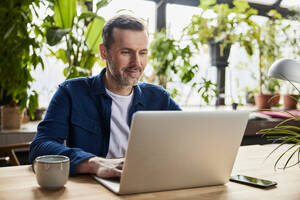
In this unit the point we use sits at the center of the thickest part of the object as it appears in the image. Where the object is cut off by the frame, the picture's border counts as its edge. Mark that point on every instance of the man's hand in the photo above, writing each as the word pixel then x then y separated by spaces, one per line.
pixel 104 168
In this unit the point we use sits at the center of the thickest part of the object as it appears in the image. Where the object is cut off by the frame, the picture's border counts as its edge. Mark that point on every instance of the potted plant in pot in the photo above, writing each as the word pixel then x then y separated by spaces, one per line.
pixel 218 27
pixel 290 97
pixel 288 131
pixel 273 86
pixel 284 133
pixel 290 101
pixel 291 93
pixel 19 54
pixel 266 39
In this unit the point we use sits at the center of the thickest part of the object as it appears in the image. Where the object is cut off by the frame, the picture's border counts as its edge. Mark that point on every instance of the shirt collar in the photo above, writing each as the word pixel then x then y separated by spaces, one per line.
pixel 97 86
pixel 138 95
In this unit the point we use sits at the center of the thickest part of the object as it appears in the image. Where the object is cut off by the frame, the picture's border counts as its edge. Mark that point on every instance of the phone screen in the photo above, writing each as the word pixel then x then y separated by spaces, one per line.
pixel 252 181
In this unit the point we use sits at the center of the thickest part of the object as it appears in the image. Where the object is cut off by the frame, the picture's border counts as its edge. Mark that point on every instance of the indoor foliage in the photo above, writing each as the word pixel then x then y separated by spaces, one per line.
pixel 170 59
pixel 78 32
pixel 223 25
pixel 19 52
pixel 285 134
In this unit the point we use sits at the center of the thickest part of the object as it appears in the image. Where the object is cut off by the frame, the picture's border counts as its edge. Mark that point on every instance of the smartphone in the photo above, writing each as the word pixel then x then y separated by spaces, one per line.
pixel 256 182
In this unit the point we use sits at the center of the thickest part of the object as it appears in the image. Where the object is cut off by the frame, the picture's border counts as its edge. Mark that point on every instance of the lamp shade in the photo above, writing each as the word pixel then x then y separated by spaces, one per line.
pixel 285 69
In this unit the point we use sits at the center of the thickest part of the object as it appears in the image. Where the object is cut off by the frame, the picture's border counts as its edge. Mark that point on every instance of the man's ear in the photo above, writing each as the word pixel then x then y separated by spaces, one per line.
pixel 103 51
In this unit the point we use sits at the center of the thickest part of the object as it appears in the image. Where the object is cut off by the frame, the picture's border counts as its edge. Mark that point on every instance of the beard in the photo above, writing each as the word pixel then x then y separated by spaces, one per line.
pixel 123 77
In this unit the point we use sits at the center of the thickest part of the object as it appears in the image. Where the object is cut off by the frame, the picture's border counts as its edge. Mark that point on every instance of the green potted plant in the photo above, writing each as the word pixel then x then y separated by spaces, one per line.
pixel 169 60
pixel 273 86
pixel 290 101
pixel 268 46
pixel 284 133
pixel 219 30
pixel 19 54
pixel 79 30
pixel 290 97
pixel 218 26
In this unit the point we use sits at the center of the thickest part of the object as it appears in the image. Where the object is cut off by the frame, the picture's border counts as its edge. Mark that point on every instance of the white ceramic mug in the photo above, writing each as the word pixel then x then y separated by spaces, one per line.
pixel 52 171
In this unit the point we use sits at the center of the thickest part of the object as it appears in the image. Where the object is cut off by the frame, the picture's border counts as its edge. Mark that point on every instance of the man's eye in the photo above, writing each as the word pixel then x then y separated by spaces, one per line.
pixel 125 52
pixel 143 53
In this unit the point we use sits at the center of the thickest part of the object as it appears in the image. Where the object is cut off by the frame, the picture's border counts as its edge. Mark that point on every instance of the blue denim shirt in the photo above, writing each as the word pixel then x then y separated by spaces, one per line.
pixel 79 113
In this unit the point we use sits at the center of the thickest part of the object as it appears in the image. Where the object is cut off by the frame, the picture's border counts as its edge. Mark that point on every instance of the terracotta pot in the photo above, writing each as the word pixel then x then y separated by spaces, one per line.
pixel 275 100
pixel 290 102
pixel 263 101
pixel 11 117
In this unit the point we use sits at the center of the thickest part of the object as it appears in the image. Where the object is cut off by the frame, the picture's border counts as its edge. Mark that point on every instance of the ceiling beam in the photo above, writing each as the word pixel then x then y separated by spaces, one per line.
pixel 261 8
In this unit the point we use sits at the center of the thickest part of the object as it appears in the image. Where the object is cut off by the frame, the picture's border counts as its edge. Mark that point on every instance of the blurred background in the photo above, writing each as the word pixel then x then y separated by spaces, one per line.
pixel 45 42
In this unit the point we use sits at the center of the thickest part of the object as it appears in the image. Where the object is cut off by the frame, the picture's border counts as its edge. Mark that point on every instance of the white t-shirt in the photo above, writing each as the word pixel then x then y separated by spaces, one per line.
pixel 119 128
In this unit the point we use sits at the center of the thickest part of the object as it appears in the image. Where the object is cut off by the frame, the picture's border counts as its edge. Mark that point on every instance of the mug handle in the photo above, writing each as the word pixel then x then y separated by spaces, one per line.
pixel 33 166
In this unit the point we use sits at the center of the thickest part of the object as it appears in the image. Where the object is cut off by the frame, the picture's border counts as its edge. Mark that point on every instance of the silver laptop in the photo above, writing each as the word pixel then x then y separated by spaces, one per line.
pixel 178 149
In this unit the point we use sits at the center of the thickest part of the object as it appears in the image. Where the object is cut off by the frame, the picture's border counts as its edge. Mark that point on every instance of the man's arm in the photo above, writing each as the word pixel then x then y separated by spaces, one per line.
pixel 54 130
pixel 171 104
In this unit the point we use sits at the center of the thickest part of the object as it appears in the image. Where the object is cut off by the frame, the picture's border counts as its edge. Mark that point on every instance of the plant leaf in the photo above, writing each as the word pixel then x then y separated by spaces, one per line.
pixel 87 15
pixel 206 4
pixel 64 13
pixel 62 55
pixel 33 104
pixel 288 160
pixel 54 35
pixel 93 36
pixel 102 3
pixel 7 34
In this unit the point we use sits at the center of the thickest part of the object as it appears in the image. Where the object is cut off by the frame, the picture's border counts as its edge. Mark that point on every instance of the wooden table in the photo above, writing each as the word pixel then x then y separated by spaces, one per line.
pixel 20 183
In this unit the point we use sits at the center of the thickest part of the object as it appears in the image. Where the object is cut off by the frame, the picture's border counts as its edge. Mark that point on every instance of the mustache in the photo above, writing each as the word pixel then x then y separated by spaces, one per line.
pixel 133 68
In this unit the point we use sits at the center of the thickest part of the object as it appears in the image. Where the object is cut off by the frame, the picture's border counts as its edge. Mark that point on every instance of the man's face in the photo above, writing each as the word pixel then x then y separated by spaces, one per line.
pixel 127 57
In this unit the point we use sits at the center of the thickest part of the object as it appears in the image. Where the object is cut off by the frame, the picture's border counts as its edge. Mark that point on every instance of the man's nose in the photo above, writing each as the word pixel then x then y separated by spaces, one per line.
pixel 136 60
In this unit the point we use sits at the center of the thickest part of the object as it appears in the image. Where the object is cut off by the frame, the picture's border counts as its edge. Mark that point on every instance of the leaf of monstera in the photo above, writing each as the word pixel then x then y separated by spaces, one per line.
pixel 54 35
pixel 64 13
pixel 93 35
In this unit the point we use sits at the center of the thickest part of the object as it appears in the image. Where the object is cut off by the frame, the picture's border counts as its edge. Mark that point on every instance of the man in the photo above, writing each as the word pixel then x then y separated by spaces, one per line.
pixel 93 114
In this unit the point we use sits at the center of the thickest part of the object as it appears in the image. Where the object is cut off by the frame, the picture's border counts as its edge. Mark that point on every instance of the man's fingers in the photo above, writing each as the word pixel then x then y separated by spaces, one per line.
pixel 107 168
pixel 109 172
pixel 120 166
pixel 117 173
pixel 118 160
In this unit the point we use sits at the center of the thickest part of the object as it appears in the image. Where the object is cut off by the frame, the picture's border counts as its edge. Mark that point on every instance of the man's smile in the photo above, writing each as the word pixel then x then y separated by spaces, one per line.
pixel 133 71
